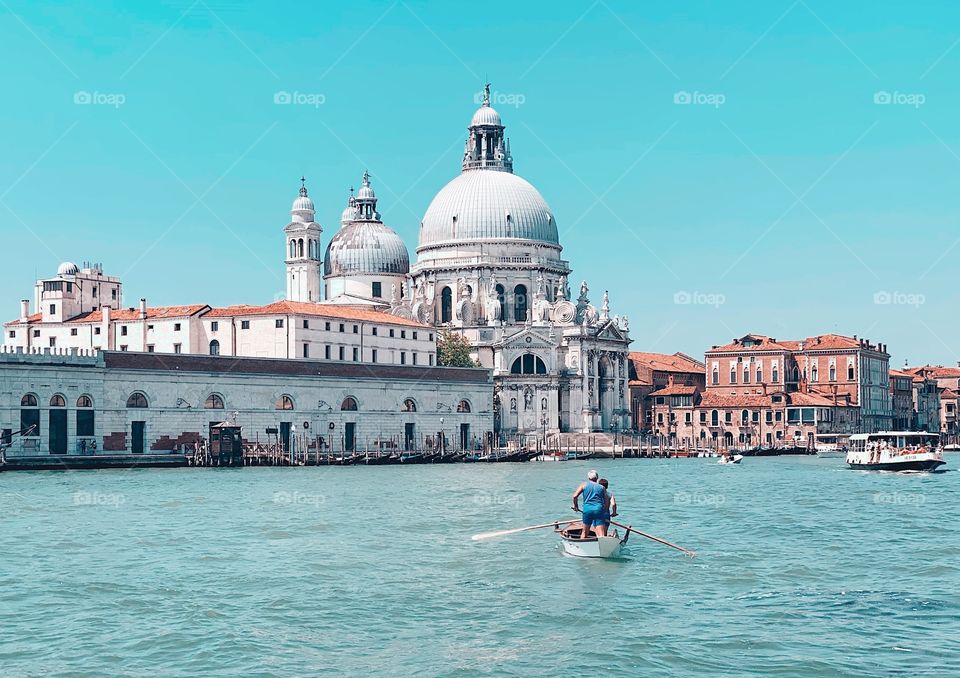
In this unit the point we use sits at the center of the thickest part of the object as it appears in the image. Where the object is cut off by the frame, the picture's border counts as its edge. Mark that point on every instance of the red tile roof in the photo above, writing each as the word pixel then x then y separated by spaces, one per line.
pixel 30 319
pixel 902 373
pixel 312 309
pixel 948 394
pixel 127 314
pixel 810 400
pixel 710 399
pixel 676 389
pixel 678 362
pixel 935 371
pixel 820 342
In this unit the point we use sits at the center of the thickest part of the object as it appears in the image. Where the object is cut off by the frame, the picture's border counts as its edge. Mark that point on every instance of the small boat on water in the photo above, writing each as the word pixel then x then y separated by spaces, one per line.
pixel 730 459
pixel 831 445
pixel 591 547
pixel 564 456
pixel 895 451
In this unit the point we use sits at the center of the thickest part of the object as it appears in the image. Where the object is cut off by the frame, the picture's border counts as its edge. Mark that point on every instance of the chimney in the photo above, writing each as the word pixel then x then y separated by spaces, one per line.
pixel 143 308
pixel 24 310
pixel 105 312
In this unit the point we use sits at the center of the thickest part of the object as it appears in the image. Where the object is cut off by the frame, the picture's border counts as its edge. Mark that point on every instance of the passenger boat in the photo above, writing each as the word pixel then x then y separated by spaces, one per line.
pixel 895 451
pixel 730 459
pixel 831 445
pixel 591 547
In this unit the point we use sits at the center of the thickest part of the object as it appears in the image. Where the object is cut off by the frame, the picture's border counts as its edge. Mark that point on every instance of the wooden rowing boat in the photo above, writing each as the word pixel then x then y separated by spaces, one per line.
pixel 591 547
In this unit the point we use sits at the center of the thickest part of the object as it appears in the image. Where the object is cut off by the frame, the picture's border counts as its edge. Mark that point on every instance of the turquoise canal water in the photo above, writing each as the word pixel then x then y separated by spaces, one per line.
pixel 805 568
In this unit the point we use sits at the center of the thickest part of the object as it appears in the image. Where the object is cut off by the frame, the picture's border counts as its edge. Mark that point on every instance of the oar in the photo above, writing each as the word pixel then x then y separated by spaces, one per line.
pixel 658 539
pixel 503 533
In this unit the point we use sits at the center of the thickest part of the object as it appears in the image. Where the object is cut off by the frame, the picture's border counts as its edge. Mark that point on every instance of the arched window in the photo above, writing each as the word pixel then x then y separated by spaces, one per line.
pixel 520 303
pixel 775 374
pixel 446 305
pixel 84 401
pixel 214 347
pixel 300 247
pixel 502 298
pixel 745 417
pixel 284 402
pixel 293 249
pixel 349 404
pixel 814 373
pixel 29 415
pixel 714 418
pixel 796 373
pixel 528 364
pixel 137 399
pixel 463 406
pixel 58 401
pixel 408 405
pixel 716 376
pixel 213 402
pixel 833 373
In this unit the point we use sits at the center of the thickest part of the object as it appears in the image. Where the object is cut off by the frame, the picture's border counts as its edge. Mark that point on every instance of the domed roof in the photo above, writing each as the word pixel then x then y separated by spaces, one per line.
pixel 366 247
pixel 485 204
pixel 303 202
pixel 68 268
pixel 486 115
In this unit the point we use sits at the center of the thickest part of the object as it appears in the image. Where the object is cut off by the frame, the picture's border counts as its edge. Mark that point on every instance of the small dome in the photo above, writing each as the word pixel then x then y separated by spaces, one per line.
pixel 366 247
pixel 366 190
pixel 349 214
pixel 68 268
pixel 486 116
pixel 303 203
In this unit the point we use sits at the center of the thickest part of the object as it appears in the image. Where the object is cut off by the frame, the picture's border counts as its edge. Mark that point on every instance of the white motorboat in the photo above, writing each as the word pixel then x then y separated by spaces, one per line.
pixel 730 459
pixel 593 546
pixel 895 451
pixel 831 445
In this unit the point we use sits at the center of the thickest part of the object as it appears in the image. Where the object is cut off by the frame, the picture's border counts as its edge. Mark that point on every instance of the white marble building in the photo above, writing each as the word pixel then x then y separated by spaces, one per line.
pixel 489 266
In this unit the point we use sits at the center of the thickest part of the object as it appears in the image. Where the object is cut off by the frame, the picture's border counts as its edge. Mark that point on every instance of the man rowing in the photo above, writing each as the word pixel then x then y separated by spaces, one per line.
pixel 594 500
pixel 610 505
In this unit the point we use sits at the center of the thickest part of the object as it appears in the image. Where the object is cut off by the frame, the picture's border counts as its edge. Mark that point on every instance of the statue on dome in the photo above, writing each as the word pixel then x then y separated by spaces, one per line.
pixel 583 304
pixel 605 307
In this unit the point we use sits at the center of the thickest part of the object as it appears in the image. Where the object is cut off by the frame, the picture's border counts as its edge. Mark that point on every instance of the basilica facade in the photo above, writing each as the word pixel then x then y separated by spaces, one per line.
pixel 489 266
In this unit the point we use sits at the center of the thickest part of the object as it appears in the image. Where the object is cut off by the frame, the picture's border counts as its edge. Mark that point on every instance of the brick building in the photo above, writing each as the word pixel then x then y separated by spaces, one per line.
pixel 652 372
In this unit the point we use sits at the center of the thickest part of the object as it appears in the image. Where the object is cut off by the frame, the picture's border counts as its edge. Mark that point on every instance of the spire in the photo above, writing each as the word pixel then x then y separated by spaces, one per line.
pixel 366 200
pixel 303 186
pixel 486 95
pixel 487 147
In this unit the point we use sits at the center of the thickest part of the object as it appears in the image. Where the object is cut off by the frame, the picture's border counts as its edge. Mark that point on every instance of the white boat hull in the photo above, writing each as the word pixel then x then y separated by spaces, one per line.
pixel 593 547
pixel 735 459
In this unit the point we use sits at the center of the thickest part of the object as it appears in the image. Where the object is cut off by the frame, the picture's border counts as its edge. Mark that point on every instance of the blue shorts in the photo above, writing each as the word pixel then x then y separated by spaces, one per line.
pixel 593 516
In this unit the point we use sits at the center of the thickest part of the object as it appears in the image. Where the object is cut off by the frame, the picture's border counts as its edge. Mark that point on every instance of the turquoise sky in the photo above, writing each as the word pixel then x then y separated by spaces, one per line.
pixel 809 186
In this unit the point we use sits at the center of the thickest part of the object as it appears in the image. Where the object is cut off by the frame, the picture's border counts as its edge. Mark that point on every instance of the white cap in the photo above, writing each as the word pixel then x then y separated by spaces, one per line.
pixel 592 475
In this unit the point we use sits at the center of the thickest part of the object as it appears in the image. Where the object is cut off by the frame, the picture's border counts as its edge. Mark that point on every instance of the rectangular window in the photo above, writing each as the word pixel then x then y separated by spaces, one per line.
pixel 326 352
pixel 149 328
pixel 375 290
pixel 12 334
pixel 176 348
pixel 746 374
pixel 373 356
pixel 53 309
pixel 356 329
pixel 326 326
pixel 113 293
pixel 793 415
pixel 342 326
pixel 53 341
pixel 733 375
pixel 69 287
pixel 356 354
pixel 373 331
pixel 688 417
pixel 660 400
pixel 727 417
pixel 850 373
pixel 96 330
pixel 244 324
pixel 430 360
pixel 85 423
pixel 703 417
pixel 94 288
pixel 150 348
pixel 778 416
pixel 403 334
pixel 431 336
pixel 403 357
pixel 414 335
pixel 306 324
pixel 341 353
pixel 176 327
pixel 391 332
pixel 36 333
pixel 769 417
pixel 306 350
pixel 123 330
pixel 73 331
pixel 414 358
pixel 214 326
pixel 278 323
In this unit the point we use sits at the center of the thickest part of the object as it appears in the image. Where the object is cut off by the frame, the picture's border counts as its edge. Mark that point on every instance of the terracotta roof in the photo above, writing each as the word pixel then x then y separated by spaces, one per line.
pixel 710 399
pixel 820 342
pixel 902 373
pixel 949 393
pixel 311 309
pixel 678 362
pixel 935 371
pixel 676 389
pixel 126 314
pixel 30 319
pixel 810 400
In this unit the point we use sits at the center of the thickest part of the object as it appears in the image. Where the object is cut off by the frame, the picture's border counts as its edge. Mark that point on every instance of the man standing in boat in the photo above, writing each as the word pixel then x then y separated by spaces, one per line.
pixel 594 500
pixel 609 505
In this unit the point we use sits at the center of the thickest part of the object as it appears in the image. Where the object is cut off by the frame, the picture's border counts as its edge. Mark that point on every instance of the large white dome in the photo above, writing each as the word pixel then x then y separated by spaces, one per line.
pixel 487 205
pixel 365 247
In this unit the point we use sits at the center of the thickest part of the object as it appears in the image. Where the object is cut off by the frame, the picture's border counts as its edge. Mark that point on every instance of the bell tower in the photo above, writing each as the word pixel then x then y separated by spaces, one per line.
pixel 302 236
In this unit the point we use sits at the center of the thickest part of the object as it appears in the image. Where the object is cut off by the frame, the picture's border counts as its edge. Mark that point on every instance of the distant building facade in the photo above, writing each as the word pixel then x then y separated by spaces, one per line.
pixel 652 372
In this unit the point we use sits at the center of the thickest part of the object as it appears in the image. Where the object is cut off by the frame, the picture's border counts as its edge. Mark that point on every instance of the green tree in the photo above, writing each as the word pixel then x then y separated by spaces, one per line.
pixel 453 350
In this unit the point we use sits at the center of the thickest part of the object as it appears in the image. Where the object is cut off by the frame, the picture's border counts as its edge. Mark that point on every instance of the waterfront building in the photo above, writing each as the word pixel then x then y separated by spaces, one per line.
pixel 948 395
pixel 902 400
pixel 125 402
pixel 650 372
pixel 489 267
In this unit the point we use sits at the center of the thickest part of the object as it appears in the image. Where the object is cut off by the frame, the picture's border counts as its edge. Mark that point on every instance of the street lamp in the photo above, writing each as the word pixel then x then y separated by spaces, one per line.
pixel 443 437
